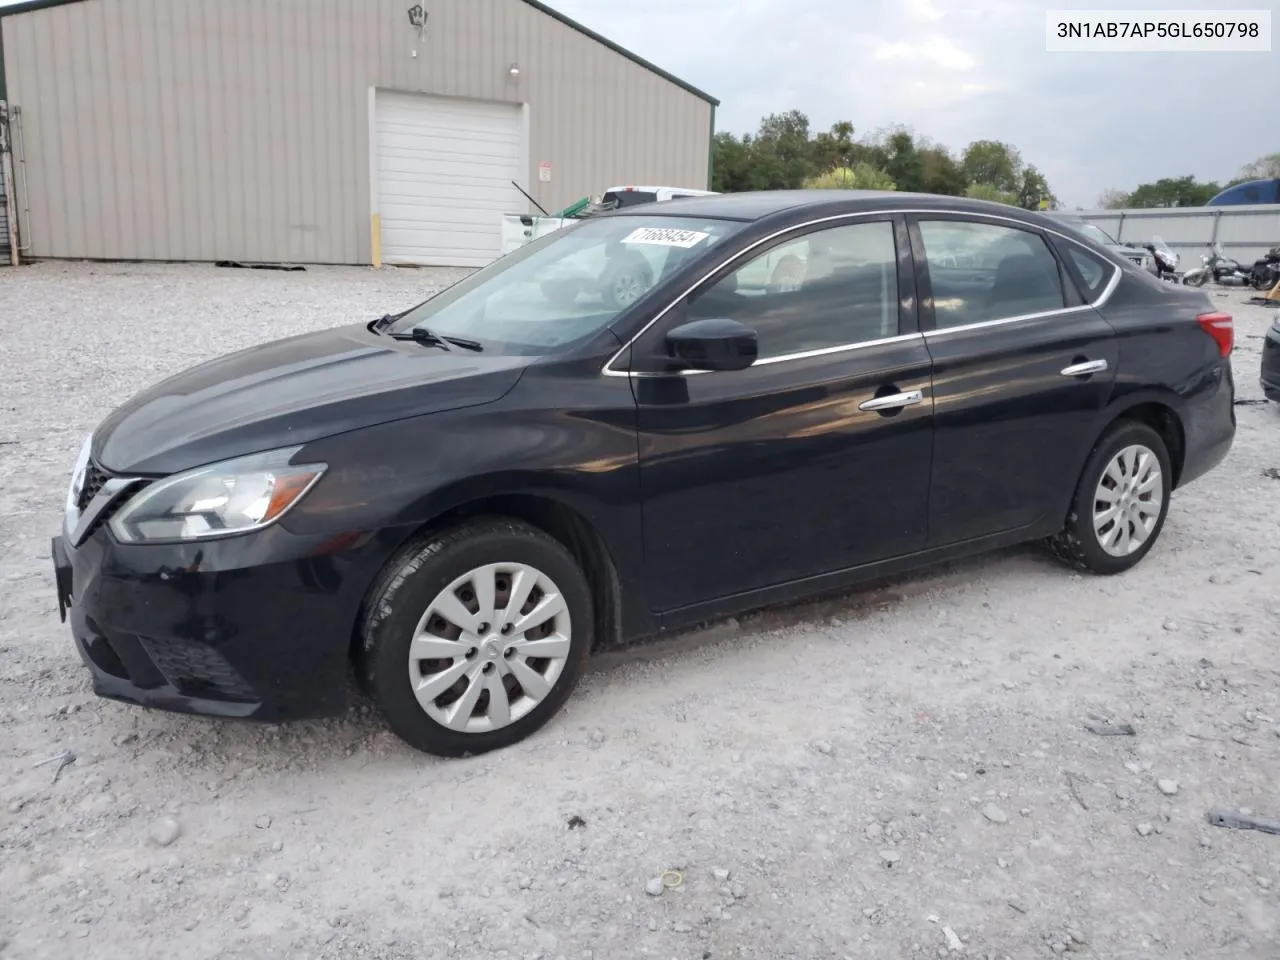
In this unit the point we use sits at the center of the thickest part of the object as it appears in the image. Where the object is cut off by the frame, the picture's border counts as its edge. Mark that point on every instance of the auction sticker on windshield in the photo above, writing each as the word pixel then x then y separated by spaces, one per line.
pixel 666 237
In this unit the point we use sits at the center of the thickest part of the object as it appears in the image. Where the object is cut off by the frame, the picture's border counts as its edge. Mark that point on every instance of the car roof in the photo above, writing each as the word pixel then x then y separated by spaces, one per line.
pixel 757 205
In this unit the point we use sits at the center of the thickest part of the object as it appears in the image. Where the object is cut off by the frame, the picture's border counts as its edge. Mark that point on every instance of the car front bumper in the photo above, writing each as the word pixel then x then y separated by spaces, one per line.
pixel 1270 374
pixel 255 627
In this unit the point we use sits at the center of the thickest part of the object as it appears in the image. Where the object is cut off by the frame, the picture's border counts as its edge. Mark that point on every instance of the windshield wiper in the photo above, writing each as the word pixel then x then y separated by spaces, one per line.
pixel 424 336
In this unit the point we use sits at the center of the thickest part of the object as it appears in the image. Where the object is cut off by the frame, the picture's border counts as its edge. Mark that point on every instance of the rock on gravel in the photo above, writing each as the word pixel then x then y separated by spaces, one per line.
pixel 654 887
pixel 1167 787
pixel 995 814
pixel 1145 829
pixel 165 831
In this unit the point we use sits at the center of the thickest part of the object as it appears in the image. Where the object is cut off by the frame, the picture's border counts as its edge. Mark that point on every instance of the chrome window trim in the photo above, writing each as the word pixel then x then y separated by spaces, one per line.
pixel 608 371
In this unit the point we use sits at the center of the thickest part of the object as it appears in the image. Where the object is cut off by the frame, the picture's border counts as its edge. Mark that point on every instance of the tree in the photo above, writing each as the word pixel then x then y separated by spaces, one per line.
pixel 1112 199
pixel 782 155
pixel 1264 168
pixel 993 164
pixel 836 149
pixel 984 191
pixel 861 176
pixel 730 163
pixel 942 174
pixel 1173 192
pixel 1033 188
pixel 782 148
pixel 904 164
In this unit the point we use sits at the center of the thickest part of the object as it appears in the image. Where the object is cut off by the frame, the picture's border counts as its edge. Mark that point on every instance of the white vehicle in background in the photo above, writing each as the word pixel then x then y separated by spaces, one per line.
pixel 616 197
pixel 521 228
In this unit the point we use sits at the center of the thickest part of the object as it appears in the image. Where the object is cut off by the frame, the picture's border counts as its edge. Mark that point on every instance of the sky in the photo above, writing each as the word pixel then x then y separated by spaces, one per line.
pixel 963 70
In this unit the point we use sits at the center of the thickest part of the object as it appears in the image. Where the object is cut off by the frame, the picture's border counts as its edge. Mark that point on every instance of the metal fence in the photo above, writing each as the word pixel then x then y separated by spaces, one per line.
pixel 1245 232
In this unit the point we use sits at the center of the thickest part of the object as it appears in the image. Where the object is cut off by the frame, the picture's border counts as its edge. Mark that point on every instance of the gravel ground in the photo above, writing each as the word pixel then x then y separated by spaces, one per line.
pixel 901 773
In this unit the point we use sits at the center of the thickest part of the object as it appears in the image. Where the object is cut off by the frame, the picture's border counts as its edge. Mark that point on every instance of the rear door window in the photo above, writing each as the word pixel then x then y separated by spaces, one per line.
pixel 980 272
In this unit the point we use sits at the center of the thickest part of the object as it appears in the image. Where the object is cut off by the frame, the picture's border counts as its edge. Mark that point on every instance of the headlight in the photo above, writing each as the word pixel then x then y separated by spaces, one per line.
pixel 77 482
pixel 220 500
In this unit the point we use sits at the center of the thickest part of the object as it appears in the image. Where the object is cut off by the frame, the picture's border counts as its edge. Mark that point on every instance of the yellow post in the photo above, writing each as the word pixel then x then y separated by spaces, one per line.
pixel 375 238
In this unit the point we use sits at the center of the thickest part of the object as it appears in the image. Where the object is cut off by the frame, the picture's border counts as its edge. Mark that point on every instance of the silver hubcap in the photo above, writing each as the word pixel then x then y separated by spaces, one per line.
pixel 626 288
pixel 1127 503
pixel 490 647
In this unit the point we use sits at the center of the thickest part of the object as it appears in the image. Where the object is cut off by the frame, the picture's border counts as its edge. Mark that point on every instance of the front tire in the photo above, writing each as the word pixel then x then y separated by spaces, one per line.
pixel 1120 502
pixel 475 637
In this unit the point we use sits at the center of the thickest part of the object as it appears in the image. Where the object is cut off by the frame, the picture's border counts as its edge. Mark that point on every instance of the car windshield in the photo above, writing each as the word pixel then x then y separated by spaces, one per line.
pixel 1096 234
pixel 565 286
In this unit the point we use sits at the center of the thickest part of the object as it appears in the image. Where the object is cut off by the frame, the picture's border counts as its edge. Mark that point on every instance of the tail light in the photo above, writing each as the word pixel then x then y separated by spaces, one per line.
pixel 1221 327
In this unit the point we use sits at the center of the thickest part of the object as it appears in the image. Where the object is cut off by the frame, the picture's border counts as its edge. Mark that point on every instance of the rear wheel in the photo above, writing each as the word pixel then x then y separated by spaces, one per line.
pixel 626 281
pixel 476 637
pixel 1120 503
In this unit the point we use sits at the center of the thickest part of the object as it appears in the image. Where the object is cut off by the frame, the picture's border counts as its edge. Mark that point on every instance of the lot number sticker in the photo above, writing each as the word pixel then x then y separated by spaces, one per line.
pixel 666 237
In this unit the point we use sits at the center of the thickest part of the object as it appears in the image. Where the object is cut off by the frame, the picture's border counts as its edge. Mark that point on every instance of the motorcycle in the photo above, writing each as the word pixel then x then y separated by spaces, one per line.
pixel 1165 260
pixel 1218 267
pixel 1266 272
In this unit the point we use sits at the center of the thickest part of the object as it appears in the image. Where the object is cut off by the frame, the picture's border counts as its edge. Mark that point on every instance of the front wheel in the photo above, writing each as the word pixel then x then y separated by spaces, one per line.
pixel 1195 279
pixel 475 637
pixel 1120 502
pixel 1263 281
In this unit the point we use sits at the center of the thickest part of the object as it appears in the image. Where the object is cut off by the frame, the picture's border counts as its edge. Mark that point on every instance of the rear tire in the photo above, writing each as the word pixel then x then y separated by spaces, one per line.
pixel 1120 503
pixel 475 637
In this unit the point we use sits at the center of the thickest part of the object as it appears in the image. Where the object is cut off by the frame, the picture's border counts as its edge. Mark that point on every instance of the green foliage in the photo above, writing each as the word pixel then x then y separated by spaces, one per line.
pixel 860 176
pixel 993 164
pixel 1173 192
pixel 985 191
pixel 783 155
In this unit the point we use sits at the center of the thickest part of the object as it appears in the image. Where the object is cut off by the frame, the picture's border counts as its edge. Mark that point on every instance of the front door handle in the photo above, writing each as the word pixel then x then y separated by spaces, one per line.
pixel 1084 369
pixel 894 401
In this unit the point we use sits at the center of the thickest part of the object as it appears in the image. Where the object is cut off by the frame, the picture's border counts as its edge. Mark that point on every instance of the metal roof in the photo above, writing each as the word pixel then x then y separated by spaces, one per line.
pixel 30 5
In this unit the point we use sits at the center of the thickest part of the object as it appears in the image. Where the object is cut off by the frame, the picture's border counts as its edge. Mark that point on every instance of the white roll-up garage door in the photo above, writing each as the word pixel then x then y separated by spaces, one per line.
pixel 443 177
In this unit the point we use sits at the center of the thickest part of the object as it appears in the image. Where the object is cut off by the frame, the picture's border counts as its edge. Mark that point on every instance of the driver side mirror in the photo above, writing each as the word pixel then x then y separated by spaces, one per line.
pixel 715 344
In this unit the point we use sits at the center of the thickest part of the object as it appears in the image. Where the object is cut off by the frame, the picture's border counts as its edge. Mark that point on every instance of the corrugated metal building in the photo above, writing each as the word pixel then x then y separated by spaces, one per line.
pixel 325 131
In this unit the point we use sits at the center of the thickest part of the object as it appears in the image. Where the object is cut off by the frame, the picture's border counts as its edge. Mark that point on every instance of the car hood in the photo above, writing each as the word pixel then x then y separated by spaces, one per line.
pixel 293 391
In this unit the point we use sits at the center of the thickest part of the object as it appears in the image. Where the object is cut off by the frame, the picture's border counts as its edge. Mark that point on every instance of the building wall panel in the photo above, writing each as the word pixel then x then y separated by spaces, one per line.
pixel 189 130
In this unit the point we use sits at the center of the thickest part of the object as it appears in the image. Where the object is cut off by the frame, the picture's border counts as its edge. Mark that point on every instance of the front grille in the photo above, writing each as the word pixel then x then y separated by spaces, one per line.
pixel 94 479
pixel 197 670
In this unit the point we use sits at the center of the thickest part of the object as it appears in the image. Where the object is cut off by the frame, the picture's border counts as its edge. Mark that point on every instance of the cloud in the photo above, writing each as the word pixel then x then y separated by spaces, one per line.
pixel 957 71
pixel 936 51
pixel 923 10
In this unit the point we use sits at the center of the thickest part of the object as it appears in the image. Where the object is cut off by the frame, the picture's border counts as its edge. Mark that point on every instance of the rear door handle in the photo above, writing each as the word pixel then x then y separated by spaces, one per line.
pixel 1084 369
pixel 893 401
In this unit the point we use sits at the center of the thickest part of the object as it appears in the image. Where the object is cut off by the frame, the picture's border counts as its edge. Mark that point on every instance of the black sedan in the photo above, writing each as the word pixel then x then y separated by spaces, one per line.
pixel 649 419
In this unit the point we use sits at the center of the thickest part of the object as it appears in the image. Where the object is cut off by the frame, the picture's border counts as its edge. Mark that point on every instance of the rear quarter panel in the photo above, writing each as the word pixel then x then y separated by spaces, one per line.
pixel 1166 357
